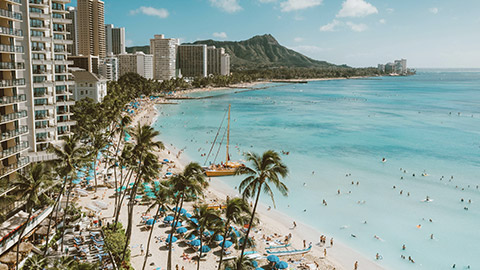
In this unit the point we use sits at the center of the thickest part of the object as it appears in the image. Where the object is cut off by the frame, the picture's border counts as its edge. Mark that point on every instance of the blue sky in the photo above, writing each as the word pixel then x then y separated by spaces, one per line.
pixel 428 33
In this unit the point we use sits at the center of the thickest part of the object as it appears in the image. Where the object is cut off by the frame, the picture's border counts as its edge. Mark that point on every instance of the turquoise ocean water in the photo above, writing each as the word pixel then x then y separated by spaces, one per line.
pixel 428 123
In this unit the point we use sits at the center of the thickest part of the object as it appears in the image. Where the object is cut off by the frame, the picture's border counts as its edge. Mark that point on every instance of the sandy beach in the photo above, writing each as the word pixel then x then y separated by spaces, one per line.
pixel 273 224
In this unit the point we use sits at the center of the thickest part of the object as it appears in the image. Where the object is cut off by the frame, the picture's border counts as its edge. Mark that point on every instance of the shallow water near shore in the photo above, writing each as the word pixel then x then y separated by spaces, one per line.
pixel 342 127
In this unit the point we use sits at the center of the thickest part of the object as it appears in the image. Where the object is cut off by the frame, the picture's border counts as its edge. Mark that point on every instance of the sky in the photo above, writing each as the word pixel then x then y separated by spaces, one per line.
pixel 359 33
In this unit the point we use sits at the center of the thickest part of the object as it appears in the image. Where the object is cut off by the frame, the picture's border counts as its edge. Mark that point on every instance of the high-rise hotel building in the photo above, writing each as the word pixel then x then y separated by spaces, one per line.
pixel 13 98
pixel 91 28
pixel 164 51
pixel 49 83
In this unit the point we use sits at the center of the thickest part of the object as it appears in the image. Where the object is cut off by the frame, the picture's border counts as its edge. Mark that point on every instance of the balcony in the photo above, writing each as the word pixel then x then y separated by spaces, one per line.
pixel 22 162
pixel 11 65
pixel 41 116
pixel 63 112
pixel 64 92
pixel 7 100
pixel 15 2
pixel 12 83
pixel 44 105
pixel 41 39
pixel 7 135
pixel 40 72
pixel 63 41
pixel 11 48
pixel 62 20
pixel 38 49
pixel 38 3
pixel 12 116
pixel 64 123
pixel 38 15
pixel 14 150
pixel 10 14
pixel 11 32
pixel 65 102
pixel 64 132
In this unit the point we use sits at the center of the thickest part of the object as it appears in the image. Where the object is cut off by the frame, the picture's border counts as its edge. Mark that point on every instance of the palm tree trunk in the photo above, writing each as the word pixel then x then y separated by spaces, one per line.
pixel 65 217
pixel 22 231
pixel 174 225
pixel 122 197
pixel 239 265
pixel 95 169
pixel 115 171
pixel 223 243
pixel 200 253
pixel 150 237
pixel 55 205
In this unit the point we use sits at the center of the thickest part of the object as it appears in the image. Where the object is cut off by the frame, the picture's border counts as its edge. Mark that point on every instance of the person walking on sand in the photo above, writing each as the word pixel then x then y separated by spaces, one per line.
pixel 324 252
pixel 331 242
pixel 141 249
pixel 355 266
pixel 294 224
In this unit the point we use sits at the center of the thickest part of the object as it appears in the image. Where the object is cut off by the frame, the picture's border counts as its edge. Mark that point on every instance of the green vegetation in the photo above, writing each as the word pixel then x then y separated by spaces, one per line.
pixel 115 240
pixel 37 262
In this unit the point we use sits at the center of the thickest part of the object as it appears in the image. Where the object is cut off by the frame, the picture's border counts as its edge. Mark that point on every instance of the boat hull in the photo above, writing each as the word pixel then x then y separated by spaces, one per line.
pixel 224 172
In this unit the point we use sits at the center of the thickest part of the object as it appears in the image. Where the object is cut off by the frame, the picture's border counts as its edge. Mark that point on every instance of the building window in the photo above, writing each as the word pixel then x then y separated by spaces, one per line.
pixel 36 33
pixel 36 23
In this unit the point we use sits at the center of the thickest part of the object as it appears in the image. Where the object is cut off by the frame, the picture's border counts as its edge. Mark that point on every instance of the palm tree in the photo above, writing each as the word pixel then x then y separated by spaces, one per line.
pixel 188 183
pixel 70 156
pixel 36 262
pixel 145 144
pixel 265 171
pixel 240 264
pixel 30 186
pixel 162 197
pixel 98 142
pixel 123 122
pixel 208 219
pixel 238 212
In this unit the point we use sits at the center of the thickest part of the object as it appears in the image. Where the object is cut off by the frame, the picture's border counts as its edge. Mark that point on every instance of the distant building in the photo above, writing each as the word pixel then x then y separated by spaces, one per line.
pixel 108 68
pixel 72 30
pixel 89 62
pixel 218 62
pixel 115 39
pixel 89 85
pixel 192 60
pixel 164 51
pixel 139 63
pixel 398 67
pixel 91 28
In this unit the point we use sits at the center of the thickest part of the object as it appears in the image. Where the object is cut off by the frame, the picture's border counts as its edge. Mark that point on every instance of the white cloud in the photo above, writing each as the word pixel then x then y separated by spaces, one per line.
pixel 230 6
pixel 433 10
pixel 330 27
pixel 357 27
pixel 309 49
pixel 267 1
pixel 151 11
pixel 220 35
pixel 390 10
pixel 292 5
pixel 382 21
pixel 356 8
pixel 298 39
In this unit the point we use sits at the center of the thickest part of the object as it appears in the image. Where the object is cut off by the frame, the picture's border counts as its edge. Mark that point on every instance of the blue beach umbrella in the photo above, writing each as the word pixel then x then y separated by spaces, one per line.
pixel 88 178
pixel 273 258
pixel 195 243
pixel 194 220
pixel 77 181
pixel 227 244
pixel 181 230
pixel 188 215
pixel 191 237
pixel 179 224
pixel 255 263
pixel 174 239
pixel 259 268
pixel 182 210
pixel 281 265
pixel 218 237
pixel 205 249
pixel 150 221
pixel 138 197
pixel 168 218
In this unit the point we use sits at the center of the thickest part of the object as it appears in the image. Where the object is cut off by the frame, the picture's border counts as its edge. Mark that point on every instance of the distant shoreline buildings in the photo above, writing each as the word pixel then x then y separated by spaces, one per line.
pixel 397 68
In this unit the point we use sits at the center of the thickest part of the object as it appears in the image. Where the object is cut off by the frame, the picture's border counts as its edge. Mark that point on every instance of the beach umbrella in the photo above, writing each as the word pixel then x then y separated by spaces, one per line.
pixel 191 237
pixel 259 268
pixel 131 184
pixel 254 263
pixel 195 243
pixel 194 220
pixel 76 181
pixel 182 210
pixel 168 218
pixel 281 265
pixel 150 222
pixel 273 258
pixel 174 239
pixel 179 224
pixel 181 230
pixel 227 244
pixel 218 237
pixel 188 215
pixel 205 249
pixel 138 197
pixel 234 231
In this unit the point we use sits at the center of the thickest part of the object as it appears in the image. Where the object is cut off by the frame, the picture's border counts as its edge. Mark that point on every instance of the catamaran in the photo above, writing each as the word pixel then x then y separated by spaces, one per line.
pixel 229 167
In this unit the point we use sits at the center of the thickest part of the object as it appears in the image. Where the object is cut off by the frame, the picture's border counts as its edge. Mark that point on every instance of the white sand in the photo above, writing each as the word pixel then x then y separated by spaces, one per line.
pixel 271 221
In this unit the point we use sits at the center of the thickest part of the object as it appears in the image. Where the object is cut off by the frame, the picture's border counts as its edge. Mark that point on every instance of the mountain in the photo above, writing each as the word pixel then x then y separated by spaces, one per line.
pixel 264 51
pixel 134 49
pixel 258 52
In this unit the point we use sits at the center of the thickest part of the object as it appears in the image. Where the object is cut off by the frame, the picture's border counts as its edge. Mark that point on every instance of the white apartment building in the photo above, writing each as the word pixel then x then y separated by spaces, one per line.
pixel 115 39
pixel 108 68
pixel 139 63
pixel 49 81
pixel 164 51
pixel 88 84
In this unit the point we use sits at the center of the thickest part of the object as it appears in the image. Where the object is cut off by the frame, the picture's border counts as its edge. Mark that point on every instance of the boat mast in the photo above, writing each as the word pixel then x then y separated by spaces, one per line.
pixel 228 132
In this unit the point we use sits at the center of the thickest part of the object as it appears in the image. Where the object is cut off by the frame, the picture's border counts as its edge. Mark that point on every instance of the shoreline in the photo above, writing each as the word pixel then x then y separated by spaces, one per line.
pixel 340 256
